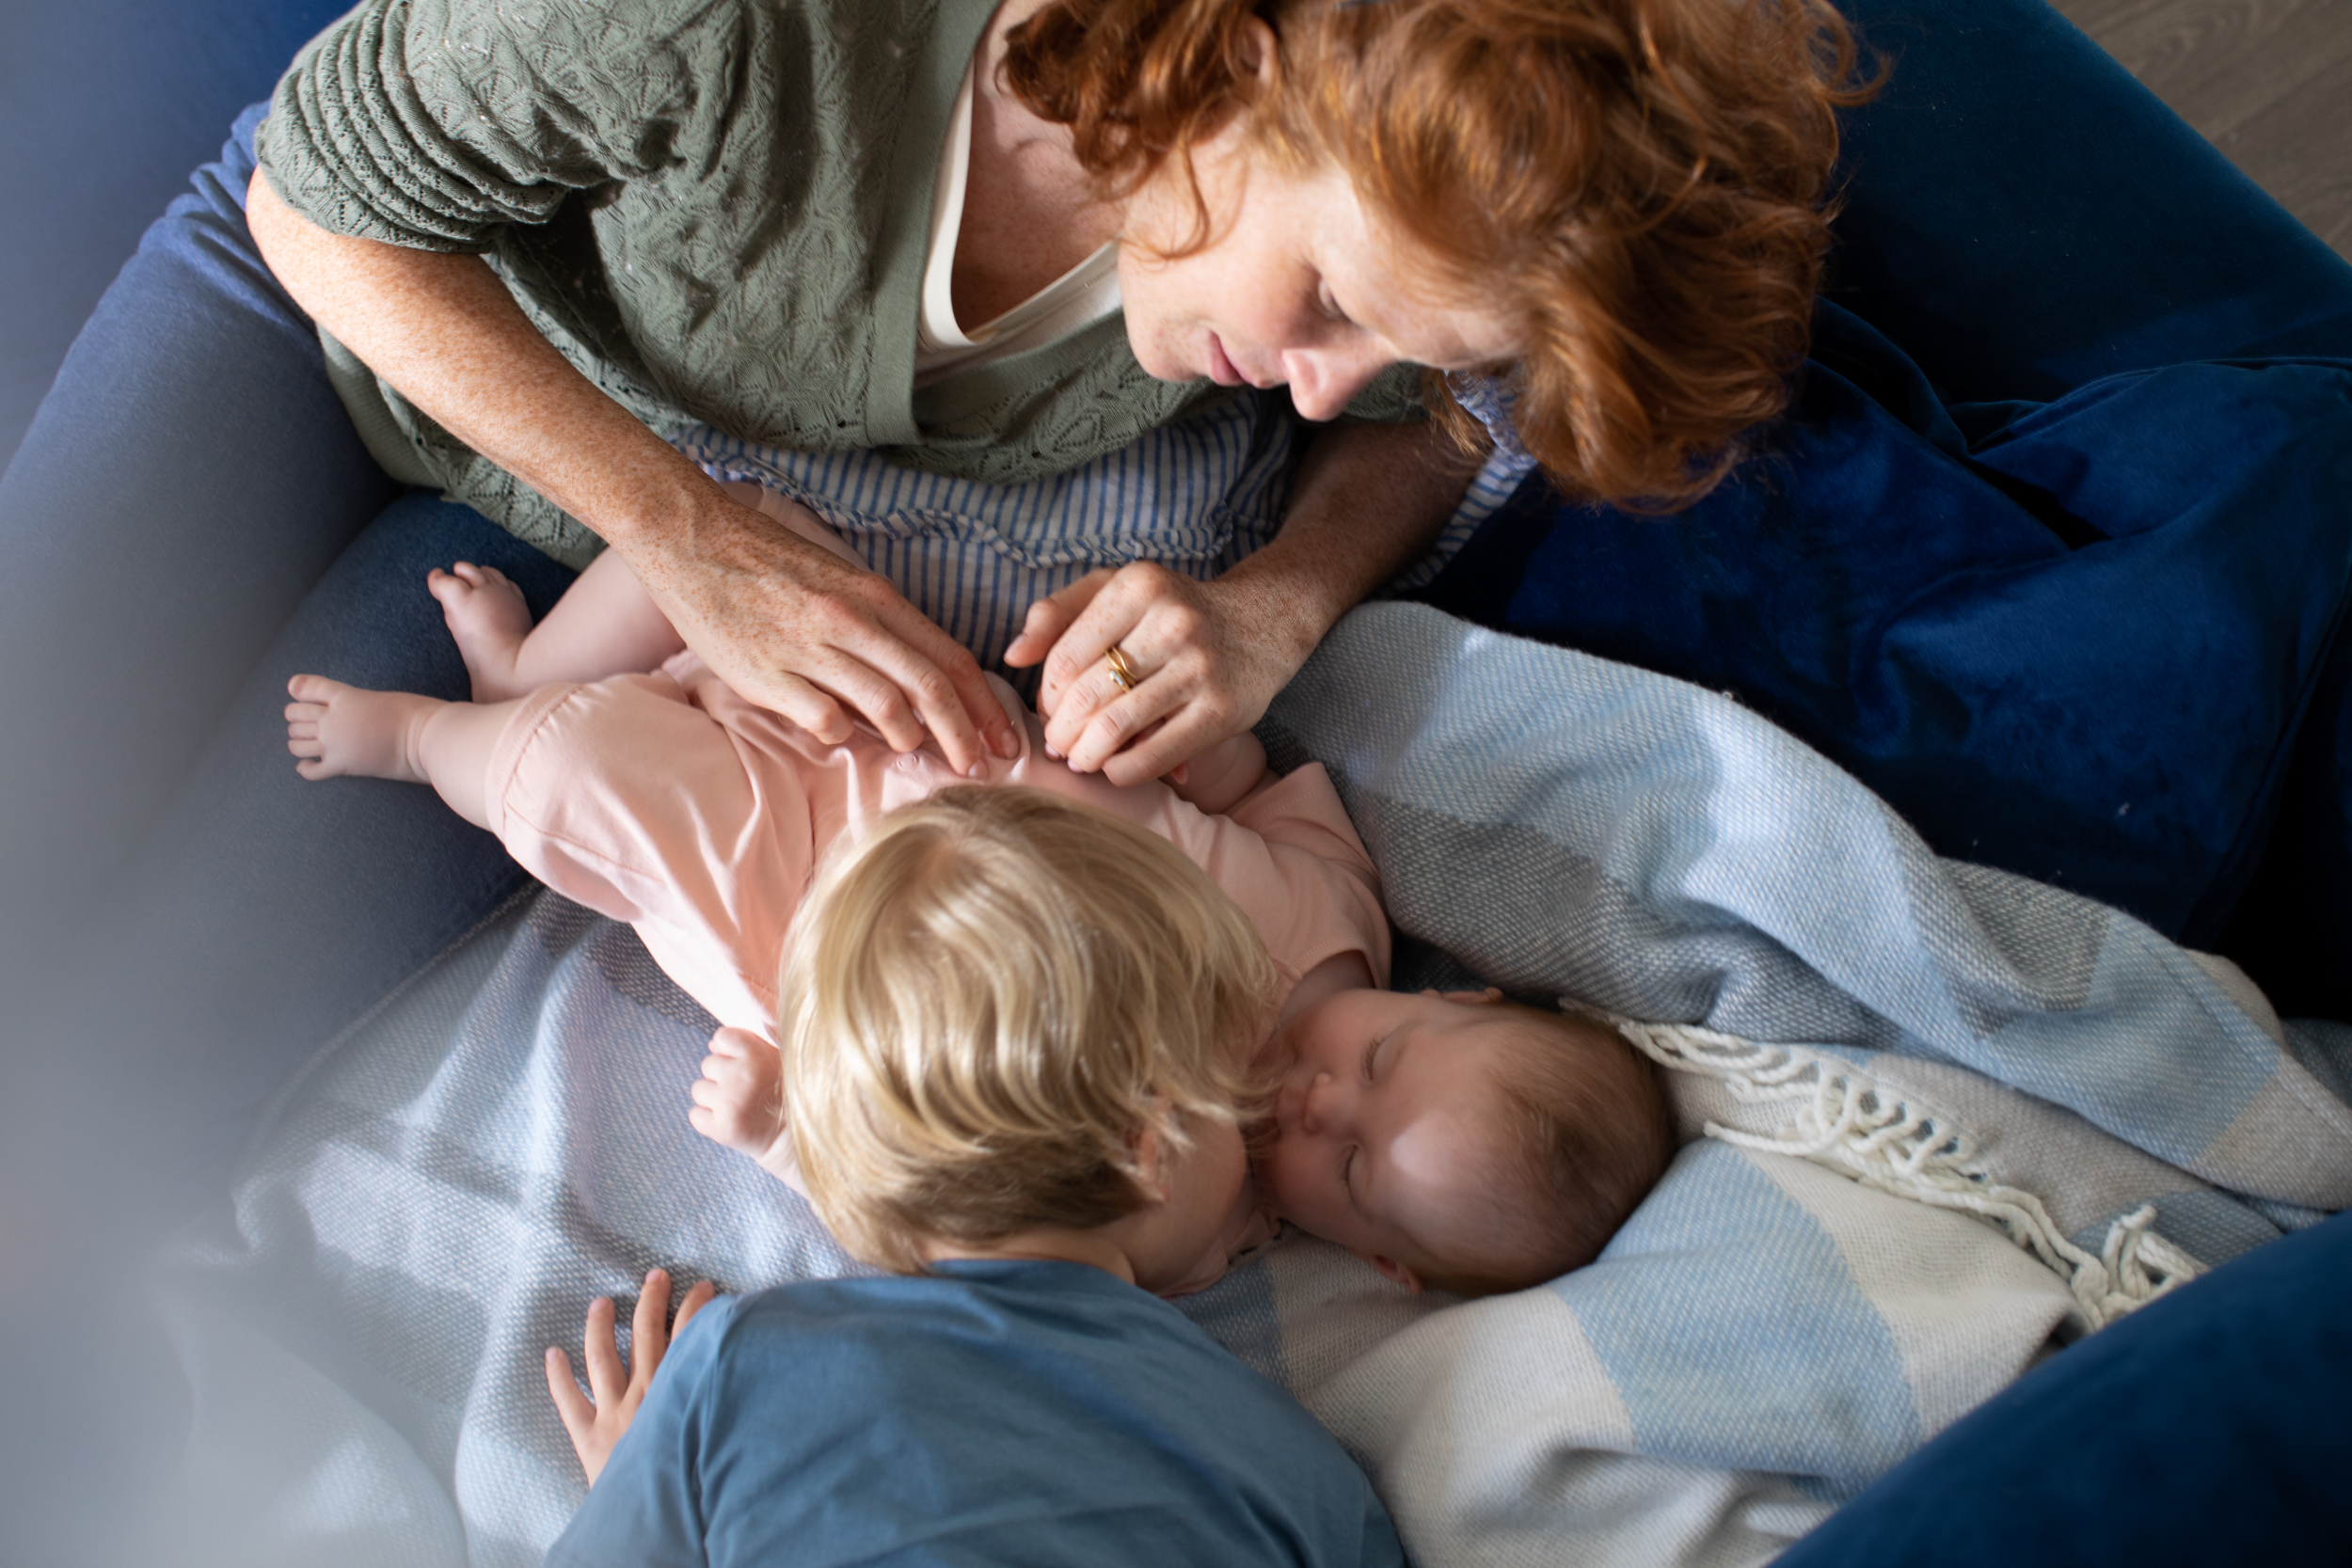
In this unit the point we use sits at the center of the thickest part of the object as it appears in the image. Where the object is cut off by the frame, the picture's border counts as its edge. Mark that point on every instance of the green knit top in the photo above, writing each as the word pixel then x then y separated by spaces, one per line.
pixel 717 209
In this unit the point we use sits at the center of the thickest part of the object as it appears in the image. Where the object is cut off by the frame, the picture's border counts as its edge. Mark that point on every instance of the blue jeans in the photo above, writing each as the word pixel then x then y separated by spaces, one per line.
pixel 191 521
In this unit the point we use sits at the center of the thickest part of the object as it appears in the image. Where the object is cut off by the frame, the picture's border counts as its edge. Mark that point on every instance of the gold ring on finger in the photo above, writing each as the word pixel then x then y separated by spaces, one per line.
pixel 1123 672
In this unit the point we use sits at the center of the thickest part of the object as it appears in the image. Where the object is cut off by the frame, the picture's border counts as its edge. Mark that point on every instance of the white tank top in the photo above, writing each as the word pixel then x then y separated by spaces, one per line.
pixel 1079 297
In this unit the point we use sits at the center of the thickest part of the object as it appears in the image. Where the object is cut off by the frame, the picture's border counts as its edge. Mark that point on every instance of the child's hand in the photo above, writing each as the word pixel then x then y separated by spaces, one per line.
pixel 617 1389
pixel 740 1099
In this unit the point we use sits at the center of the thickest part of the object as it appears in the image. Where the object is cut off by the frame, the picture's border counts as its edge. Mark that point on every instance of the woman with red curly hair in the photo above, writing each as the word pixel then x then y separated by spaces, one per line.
pixel 1616 200
pixel 1618 203
pixel 1633 189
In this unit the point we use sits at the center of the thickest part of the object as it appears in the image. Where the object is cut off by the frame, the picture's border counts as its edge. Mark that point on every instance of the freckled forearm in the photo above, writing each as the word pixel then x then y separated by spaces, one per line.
pixel 443 329
pixel 1368 499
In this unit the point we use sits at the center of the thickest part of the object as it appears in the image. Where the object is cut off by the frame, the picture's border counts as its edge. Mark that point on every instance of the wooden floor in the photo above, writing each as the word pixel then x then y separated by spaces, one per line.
pixel 2268 82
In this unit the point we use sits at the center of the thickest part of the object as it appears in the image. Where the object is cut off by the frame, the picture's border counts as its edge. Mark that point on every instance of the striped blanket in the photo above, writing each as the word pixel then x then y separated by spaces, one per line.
pixel 1939 1121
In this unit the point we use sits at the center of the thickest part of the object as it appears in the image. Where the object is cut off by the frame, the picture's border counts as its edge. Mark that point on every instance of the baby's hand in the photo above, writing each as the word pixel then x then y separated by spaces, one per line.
pixel 596 1420
pixel 739 1101
pixel 1217 780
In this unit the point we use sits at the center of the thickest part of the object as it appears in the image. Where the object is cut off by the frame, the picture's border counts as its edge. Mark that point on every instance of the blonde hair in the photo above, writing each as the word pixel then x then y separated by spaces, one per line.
pixel 987 1000
pixel 1587 1134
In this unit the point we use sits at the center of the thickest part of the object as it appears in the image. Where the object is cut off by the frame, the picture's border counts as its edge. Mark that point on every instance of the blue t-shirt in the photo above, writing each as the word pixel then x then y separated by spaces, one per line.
pixel 1016 1413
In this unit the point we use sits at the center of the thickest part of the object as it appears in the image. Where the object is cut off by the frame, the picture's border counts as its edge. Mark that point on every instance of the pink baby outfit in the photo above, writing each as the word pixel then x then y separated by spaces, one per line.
pixel 671 802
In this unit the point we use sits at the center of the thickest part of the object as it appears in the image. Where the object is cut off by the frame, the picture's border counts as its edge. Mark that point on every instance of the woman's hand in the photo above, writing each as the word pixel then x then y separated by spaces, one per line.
pixel 1209 656
pixel 596 1420
pixel 798 629
pixel 1200 675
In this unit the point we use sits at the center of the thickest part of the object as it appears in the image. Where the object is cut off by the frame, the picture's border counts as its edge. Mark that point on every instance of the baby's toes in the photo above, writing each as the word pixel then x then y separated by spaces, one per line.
pixel 313 689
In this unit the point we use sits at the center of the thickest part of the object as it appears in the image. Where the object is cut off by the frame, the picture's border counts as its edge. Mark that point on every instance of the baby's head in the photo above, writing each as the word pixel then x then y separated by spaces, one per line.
pixel 1005 1011
pixel 1463 1143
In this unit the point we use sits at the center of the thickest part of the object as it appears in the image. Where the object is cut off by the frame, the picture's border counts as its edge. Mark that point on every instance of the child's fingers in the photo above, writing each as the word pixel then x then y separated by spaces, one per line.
pixel 722 1123
pixel 725 1082
pixel 733 1042
pixel 696 1299
pixel 721 1085
pixel 578 1415
pixel 607 1377
pixel 649 1328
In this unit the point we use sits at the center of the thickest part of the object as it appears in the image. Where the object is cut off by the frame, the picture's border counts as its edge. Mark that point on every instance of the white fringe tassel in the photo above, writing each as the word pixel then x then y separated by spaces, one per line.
pixel 1841 1117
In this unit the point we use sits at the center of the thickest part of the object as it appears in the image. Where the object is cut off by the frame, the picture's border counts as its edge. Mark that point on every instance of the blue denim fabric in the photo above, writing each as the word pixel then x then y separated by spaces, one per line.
pixel 2051 550
pixel 190 520
pixel 104 106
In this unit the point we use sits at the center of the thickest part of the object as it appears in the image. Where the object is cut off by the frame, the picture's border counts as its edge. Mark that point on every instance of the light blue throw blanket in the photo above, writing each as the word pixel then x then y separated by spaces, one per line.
pixel 1803 1300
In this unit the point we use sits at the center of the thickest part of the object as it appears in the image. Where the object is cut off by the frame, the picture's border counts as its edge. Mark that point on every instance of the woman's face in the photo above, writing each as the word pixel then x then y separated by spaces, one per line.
pixel 1299 285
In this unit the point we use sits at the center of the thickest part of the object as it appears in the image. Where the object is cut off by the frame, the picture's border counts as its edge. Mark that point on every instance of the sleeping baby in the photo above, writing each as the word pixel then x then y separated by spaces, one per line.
pixel 1457 1141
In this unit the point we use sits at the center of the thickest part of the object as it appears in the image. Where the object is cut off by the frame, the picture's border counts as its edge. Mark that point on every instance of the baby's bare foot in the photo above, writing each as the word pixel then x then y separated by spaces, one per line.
pixel 487 619
pixel 345 729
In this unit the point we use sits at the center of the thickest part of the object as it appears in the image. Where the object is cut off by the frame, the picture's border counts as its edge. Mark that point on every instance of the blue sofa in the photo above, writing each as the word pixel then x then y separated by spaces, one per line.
pixel 2052 551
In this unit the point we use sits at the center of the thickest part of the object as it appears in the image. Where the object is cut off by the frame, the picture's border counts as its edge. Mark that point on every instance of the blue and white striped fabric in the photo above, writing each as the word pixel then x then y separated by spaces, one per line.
pixel 507 1139
pixel 1196 497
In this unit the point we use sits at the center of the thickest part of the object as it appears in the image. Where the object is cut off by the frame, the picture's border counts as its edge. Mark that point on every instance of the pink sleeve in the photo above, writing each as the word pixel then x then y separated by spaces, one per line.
pixel 626 798
pixel 1331 890
pixel 1287 855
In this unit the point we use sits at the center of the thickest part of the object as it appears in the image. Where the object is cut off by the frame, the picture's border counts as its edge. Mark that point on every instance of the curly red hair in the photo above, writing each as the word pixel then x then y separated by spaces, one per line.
pixel 1641 185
